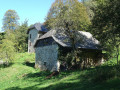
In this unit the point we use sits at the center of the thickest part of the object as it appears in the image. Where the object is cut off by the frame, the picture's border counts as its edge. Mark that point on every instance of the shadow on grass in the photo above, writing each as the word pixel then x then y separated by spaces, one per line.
pixel 13 88
pixel 27 88
pixel 38 74
pixel 30 64
pixel 61 86
pixel 112 85
pixel 102 73
pixel 99 78
pixel 6 65
pixel 41 76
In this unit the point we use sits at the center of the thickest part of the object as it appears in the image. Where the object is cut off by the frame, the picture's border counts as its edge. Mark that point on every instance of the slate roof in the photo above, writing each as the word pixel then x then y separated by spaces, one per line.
pixel 84 39
pixel 38 26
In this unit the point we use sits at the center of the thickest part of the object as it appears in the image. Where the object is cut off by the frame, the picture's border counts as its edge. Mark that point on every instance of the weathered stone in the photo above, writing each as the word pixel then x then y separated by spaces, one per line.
pixel 46 57
pixel 33 35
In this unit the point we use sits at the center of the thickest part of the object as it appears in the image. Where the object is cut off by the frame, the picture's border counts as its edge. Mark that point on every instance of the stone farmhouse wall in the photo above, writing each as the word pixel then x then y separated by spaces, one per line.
pixel 33 34
pixel 47 55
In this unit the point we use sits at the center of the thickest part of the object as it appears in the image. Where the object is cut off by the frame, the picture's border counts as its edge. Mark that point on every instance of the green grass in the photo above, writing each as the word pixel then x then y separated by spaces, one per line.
pixel 112 61
pixel 22 76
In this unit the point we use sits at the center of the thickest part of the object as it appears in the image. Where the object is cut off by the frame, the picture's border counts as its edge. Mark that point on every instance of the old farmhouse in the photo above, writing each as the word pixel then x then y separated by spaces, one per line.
pixel 48 45
pixel 34 32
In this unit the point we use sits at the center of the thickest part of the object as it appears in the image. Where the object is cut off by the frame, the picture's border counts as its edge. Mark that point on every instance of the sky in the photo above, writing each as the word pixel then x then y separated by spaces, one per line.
pixel 32 10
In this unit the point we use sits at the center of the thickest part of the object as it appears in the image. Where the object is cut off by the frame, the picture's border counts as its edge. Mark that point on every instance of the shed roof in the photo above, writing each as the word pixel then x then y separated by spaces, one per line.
pixel 83 39
pixel 38 26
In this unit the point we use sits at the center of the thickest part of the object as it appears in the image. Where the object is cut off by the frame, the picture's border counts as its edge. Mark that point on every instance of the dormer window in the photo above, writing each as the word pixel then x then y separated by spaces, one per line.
pixel 30 36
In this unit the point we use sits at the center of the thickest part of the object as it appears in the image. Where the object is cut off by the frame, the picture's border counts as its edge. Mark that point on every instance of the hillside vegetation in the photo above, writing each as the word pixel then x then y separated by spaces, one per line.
pixel 23 76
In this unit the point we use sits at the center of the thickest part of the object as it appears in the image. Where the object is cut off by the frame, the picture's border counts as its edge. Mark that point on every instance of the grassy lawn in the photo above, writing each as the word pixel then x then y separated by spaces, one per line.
pixel 22 76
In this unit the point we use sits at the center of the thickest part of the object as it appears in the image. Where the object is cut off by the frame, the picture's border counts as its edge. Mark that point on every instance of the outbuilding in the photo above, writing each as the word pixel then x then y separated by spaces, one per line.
pixel 47 49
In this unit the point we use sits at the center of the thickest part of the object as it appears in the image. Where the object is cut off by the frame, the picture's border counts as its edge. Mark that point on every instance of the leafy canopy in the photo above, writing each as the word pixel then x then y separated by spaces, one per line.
pixel 21 37
pixel 7 49
pixel 10 20
pixel 106 24
pixel 71 12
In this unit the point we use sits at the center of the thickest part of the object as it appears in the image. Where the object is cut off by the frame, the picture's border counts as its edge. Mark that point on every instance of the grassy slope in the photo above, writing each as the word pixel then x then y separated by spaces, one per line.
pixel 20 76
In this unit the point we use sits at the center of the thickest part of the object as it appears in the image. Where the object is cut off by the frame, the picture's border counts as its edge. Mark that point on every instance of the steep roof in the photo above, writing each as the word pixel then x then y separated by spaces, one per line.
pixel 38 26
pixel 84 39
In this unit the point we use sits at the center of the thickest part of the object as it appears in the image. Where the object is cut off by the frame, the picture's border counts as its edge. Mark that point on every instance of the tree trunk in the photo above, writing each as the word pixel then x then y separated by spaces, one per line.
pixel 72 40
pixel 117 54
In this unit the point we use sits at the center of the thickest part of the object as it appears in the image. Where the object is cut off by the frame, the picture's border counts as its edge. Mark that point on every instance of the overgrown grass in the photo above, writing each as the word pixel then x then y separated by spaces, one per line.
pixel 23 76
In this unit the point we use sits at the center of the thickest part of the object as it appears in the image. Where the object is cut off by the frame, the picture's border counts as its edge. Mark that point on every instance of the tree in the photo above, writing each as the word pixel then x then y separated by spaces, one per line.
pixel 10 20
pixel 106 24
pixel 68 16
pixel 21 37
pixel 89 4
pixel 71 12
pixel 7 49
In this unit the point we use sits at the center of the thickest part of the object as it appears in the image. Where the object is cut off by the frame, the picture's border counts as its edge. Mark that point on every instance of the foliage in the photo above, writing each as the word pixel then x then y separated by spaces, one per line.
pixel 71 12
pixel 13 42
pixel 68 60
pixel 10 20
pixel 111 61
pixel 1 36
pixel 67 17
pixel 7 50
pixel 89 4
pixel 106 24
pixel 21 37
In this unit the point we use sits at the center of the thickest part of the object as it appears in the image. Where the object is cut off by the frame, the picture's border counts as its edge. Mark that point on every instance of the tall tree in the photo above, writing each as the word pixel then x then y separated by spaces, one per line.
pixel 89 4
pixel 10 20
pixel 71 12
pixel 106 24
pixel 68 16
pixel 21 37
pixel 7 49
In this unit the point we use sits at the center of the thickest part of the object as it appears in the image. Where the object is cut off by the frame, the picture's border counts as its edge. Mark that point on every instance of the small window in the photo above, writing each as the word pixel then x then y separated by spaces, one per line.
pixel 45 63
pixel 30 36
pixel 30 43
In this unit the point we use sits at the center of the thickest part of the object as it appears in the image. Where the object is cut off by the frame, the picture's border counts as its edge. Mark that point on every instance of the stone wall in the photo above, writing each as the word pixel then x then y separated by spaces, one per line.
pixel 34 35
pixel 47 55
